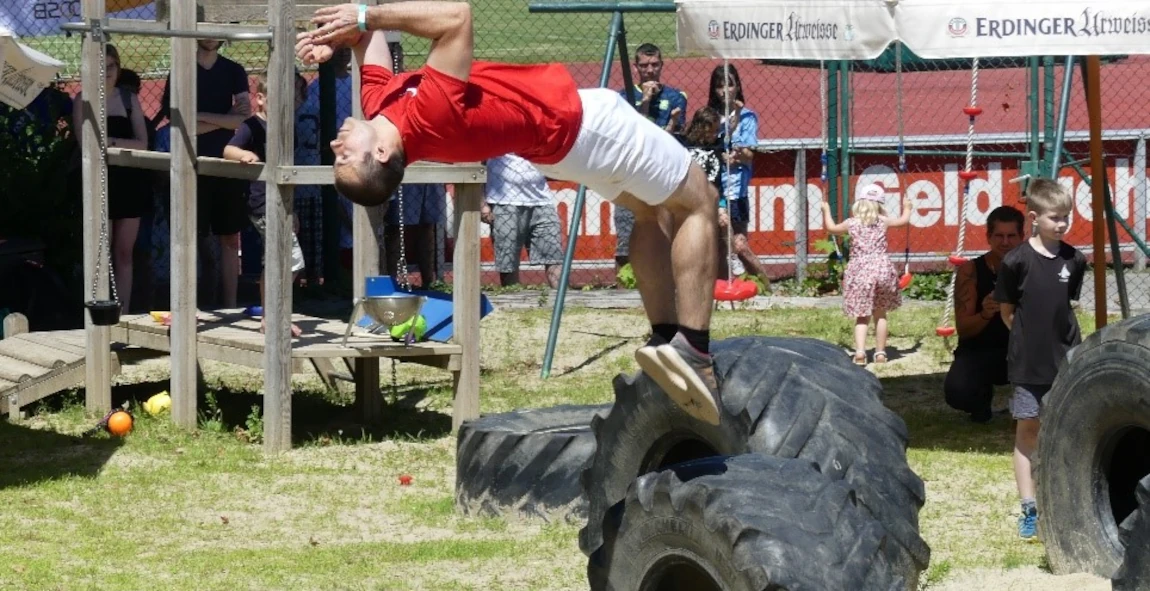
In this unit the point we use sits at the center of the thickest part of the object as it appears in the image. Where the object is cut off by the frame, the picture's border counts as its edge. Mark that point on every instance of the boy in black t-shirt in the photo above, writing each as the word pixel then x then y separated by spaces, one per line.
pixel 249 145
pixel 1038 287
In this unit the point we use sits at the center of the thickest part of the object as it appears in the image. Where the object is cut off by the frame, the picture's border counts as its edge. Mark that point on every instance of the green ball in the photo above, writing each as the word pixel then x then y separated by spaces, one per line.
pixel 399 330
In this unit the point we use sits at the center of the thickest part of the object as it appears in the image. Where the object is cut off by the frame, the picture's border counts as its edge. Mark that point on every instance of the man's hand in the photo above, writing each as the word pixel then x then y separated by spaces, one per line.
pixel 249 157
pixel 337 26
pixel 650 89
pixel 724 221
pixel 310 53
pixel 485 215
pixel 673 121
pixel 989 306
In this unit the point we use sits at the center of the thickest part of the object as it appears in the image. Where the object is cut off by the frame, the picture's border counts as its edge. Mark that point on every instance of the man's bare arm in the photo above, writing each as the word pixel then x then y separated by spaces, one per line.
pixel 1007 313
pixel 967 320
pixel 220 121
pixel 241 110
pixel 373 50
pixel 446 24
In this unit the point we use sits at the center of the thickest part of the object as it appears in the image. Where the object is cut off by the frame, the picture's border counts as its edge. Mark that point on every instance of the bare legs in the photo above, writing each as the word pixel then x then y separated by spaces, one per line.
pixel 229 269
pixel 862 325
pixel 676 274
pixel 881 332
pixel 124 233
pixel 1025 444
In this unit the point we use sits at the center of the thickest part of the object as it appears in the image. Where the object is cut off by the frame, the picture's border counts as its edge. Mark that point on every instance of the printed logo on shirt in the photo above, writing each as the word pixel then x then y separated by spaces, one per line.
pixel 413 91
pixel 1064 274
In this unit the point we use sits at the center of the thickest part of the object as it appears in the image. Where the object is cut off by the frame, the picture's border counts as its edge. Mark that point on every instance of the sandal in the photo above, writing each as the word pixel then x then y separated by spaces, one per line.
pixel 860 358
pixel 879 357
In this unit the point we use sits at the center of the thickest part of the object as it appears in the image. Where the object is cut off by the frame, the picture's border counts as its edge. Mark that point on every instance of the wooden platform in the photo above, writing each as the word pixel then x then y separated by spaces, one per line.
pixel 36 365
pixel 233 337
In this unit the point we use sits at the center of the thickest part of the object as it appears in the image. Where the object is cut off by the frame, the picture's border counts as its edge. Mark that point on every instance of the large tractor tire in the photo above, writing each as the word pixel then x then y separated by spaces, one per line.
pixel 742 523
pixel 1094 448
pixel 1134 574
pixel 784 397
pixel 525 463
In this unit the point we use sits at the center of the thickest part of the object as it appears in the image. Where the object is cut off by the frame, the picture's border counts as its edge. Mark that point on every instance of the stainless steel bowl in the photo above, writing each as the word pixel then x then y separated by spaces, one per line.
pixel 391 310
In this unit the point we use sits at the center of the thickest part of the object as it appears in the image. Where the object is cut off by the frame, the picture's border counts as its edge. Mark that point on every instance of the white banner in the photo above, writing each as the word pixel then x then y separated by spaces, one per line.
pixel 815 29
pixel 34 18
pixel 861 29
pixel 24 72
pixel 986 28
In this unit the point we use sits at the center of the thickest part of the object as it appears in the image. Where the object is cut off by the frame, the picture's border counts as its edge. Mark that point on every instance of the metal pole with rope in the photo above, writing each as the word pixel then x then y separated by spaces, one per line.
pixel 905 279
pixel 967 175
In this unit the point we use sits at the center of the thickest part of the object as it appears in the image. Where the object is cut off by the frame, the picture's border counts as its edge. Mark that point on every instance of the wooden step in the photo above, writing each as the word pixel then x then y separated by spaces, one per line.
pixel 32 352
pixel 53 341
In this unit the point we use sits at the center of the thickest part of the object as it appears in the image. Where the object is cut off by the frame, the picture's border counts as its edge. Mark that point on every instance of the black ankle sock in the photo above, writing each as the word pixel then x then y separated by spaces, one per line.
pixel 699 339
pixel 661 334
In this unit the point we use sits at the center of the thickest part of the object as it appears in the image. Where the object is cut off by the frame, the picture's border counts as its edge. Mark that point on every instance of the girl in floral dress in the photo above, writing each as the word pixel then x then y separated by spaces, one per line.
pixel 870 283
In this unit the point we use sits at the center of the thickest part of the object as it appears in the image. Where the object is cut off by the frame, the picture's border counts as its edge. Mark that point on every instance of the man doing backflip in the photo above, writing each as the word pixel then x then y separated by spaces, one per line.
pixel 456 109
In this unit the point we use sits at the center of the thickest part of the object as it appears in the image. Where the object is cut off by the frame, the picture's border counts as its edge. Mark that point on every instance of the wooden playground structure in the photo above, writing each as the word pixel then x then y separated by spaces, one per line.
pixel 194 335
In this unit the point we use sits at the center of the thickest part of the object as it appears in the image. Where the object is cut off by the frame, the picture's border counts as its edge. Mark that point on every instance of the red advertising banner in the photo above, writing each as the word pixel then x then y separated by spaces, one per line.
pixel 936 192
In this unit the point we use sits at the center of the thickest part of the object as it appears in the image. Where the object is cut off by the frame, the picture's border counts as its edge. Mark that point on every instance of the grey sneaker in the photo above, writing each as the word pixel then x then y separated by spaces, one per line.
pixel 686 375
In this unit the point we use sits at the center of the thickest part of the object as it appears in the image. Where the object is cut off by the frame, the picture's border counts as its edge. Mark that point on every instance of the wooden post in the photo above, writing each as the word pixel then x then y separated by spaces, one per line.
pixel 465 298
pixel 14 324
pixel 366 249
pixel 277 247
pixel 802 225
pixel 183 218
pixel 97 373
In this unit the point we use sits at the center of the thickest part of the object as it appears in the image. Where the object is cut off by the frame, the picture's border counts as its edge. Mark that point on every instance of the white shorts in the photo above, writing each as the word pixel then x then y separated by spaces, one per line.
pixel 620 151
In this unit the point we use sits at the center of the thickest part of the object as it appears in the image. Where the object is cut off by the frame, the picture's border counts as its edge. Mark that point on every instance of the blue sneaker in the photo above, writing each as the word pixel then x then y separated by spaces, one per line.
pixel 1028 525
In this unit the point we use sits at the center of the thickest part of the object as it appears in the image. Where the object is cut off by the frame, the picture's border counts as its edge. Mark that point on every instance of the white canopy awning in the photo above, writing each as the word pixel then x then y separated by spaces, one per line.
pixel 862 29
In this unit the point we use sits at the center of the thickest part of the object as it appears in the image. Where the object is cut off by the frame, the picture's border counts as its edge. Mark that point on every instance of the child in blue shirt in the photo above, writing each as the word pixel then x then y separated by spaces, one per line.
pixel 739 132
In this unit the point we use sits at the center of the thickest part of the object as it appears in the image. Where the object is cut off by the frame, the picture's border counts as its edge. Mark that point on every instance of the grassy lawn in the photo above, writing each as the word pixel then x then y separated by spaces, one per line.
pixel 208 510
pixel 505 31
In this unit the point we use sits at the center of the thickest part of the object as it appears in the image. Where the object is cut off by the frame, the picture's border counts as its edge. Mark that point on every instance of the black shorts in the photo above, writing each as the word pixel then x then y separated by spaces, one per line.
pixel 740 215
pixel 222 206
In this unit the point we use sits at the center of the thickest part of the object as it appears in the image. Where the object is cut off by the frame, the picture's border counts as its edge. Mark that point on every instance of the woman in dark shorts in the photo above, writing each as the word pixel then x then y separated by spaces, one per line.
pixel 129 190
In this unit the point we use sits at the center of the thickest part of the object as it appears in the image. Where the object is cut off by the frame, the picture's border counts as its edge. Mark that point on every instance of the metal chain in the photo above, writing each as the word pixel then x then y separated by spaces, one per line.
pixel 394 380
pixel 401 265
pixel 102 141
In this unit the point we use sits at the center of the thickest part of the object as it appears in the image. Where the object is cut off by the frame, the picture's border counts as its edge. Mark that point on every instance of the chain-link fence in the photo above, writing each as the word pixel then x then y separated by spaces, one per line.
pixel 793 117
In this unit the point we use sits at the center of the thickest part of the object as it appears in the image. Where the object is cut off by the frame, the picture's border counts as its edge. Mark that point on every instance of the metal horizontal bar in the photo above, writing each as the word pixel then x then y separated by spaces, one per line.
pixel 420 172
pixel 417 173
pixel 568 7
pixel 977 153
pixel 154 29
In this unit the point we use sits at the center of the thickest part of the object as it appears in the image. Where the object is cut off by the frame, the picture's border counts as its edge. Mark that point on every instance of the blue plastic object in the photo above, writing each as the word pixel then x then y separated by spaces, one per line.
pixel 438 309
pixel 254 311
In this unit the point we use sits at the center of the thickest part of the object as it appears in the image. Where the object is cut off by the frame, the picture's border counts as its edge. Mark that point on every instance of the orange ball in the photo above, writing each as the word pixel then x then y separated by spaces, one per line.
pixel 120 423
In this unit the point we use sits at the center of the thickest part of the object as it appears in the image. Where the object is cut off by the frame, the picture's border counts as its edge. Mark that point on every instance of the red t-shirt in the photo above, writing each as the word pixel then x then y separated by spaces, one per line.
pixel 530 110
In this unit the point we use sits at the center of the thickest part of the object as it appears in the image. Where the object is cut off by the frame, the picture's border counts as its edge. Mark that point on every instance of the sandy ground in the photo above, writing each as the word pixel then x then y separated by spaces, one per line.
pixel 1020 579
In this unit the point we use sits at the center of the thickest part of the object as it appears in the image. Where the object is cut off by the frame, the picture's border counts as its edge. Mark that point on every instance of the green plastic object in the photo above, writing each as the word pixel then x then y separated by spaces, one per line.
pixel 398 331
